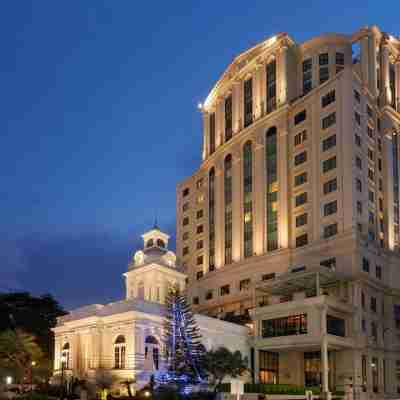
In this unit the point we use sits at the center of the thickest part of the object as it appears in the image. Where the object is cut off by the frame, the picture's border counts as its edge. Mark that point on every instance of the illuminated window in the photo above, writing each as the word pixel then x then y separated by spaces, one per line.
pixel 65 354
pixel 211 219
pixel 228 208
pixel 228 118
pixel 307 75
pixel 271 86
pixel 212 133
pixel 248 102
pixel 248 202
pixel 119 352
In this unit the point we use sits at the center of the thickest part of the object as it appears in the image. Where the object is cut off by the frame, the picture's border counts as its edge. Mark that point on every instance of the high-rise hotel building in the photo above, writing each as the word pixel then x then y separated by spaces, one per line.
pixel 293 214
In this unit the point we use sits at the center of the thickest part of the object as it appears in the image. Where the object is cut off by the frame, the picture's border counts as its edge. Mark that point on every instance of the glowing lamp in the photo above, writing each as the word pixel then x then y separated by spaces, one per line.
pixel 9 380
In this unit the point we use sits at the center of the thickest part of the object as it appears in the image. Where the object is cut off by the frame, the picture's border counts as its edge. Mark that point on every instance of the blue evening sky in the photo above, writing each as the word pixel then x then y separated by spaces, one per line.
pixel 98 122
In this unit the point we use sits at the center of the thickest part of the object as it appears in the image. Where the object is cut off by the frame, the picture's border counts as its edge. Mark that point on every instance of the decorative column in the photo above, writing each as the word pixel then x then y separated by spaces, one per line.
pixel 237 106
pixel 324 355
pixel 372 64
pixel 258 112
pixel 364 47
pixel 219 214
pixel 218 122
pixel 386 93
pixel 283 79
pixel 206 134
pixel 283 172
pixel 388 182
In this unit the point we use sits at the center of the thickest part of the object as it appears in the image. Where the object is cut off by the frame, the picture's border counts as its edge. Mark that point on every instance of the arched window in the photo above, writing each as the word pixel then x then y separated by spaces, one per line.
pixel 150 243
pixel 119 352
pixel 228 208
pixel 65 353
pixel 211 219
pixel 271 173
pixel 152 353
pixel 248 199
pixel 160 243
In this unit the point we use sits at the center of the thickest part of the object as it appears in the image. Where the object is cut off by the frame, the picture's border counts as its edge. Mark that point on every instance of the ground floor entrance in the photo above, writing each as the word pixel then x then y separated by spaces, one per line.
pixel 295 367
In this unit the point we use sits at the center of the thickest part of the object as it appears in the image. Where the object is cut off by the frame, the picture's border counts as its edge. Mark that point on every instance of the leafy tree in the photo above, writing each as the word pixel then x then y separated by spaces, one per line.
pixel 222 363
pixel 17 350
pixel 35 315
pixel 184 351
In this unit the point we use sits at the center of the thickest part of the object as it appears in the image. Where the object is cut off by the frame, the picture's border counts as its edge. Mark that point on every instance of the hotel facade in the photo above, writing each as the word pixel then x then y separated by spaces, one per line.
pixel 291 222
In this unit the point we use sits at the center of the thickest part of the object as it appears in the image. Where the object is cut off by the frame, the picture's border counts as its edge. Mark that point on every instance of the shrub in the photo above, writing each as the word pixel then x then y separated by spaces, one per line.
pixel 278 389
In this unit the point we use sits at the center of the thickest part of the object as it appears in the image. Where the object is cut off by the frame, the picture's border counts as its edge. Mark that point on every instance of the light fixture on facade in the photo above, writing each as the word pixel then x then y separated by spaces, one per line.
pixel 200 106
pixel 9 380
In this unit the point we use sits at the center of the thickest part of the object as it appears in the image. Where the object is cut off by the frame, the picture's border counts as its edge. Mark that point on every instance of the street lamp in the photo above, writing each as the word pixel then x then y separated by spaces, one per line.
pixel 8 380
pixel 33 363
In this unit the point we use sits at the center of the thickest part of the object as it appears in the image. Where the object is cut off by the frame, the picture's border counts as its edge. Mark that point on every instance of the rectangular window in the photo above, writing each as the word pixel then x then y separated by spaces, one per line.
pixel 358 162
pixel 300 117
pixel 301 199
pixel 371 196
pixel 369 111
pixel 328 98
pixel 323 67
pixel 300 158
pixel 307 76
pixel 357 117
pixel 330 230
pixel 357 96
pixel 248 102
pixel 185 251
pixel 209 295
pixel 371 174
pixel 370 132
pixel 199 244
pixel 267 277
pixel 199 214
pixel 212 133
pixel 339 61
pixel 224 290
pixel 365 264
pixel 185 236
pixel 335 326
pixel 286 326
pixel 185 221
pixel 269 367
pixel 199 275
pixel 199 260
pixel 371 154
pixel 329 120
pixel 357 140
pixel 378 272
pixel 195 300
pixel 228 118
pixel 271 86
pixel 302 240
pixel 358 185
pixel 301 220
pixel 185 192
pixel 185 207
pixel 300 138
pixel 359 207
pixel 330 208
pixel 328 143
pixel 329 164
pixel 244 284
pixel 300 179
pixel 328 263
pixel 199 229
pixel 330 186
pixel 373 304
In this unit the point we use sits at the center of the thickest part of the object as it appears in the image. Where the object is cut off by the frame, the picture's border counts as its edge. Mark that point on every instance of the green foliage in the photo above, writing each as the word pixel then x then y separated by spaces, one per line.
pixel 17 351
pixel 221 363
pixel 183 348
pixel 35 315
pixel 278 388
pixel 34 396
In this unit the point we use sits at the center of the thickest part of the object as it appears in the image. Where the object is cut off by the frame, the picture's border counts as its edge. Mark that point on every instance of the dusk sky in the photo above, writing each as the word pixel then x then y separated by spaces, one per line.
pixel 99 122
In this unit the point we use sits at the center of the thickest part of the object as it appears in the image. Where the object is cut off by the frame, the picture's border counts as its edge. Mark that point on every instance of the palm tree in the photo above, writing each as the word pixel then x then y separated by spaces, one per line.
pixel 18 349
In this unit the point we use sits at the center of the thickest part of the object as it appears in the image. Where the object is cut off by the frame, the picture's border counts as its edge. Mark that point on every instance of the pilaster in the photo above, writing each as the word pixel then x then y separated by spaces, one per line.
pixel 386 93
pixel 258 194
pixel 282 68
pixel 236 205
pixel 283 201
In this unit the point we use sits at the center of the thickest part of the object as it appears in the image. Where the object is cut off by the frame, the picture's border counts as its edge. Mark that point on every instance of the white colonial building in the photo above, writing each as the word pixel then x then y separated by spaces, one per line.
pixel 123 340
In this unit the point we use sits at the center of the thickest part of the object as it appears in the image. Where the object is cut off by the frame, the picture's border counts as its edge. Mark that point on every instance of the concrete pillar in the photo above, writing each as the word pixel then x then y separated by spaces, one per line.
pixel 236 206
pixel 283 201
pixel 219 214
pixel 258 91
pixel 236 105
pixel 372 64
pixel 256 365
pixel 282 69
pixel 386 93
pixel 364 47
pixel 206 134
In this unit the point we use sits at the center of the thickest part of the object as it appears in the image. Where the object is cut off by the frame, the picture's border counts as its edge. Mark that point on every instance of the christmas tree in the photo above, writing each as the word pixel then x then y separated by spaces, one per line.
pixel 183 349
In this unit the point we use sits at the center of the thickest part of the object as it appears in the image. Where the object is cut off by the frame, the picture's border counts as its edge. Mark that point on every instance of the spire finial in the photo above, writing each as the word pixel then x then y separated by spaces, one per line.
pixel 155 223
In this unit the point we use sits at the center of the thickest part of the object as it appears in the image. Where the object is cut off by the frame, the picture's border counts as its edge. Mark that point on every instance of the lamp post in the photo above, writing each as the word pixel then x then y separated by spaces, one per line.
pixel 63 361
pixel 33 364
